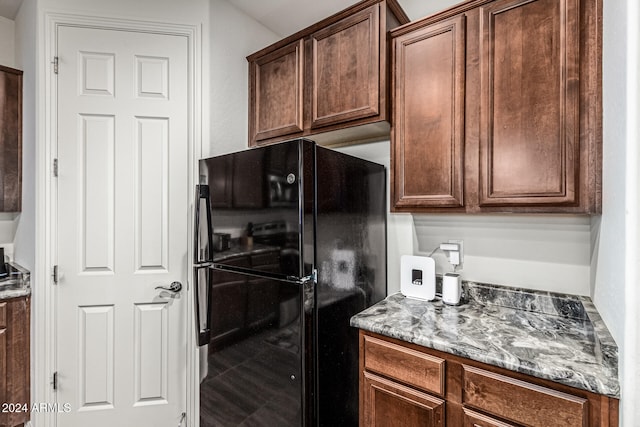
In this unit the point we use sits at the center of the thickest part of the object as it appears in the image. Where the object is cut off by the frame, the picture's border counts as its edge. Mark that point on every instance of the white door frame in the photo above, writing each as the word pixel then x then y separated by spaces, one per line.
pixel 44 339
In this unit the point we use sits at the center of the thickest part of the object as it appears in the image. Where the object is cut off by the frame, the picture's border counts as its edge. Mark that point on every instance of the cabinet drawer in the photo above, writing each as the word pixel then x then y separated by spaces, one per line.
pixel 3 314
pixel 408 366
pixel 521 402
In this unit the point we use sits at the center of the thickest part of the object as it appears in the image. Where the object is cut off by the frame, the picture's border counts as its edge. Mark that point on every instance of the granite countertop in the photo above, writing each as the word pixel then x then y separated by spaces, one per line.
pixel 16 283
pixel 557 337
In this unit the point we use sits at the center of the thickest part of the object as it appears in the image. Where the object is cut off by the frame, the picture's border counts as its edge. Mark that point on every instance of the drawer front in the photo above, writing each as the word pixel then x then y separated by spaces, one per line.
pixel 404 364
pixel 3 314
pixel 522 402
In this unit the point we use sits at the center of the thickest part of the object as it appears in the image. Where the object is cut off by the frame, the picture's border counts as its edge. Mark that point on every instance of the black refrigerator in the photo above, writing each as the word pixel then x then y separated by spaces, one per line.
pixel 290 242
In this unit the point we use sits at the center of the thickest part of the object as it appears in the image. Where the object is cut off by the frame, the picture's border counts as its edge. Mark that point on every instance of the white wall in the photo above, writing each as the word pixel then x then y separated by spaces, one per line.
pixel 616 234
pixel 234 36
pixel 7 51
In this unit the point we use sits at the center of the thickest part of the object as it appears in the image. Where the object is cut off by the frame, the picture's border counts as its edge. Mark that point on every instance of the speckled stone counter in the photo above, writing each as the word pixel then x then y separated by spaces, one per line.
pixel 552 336
pixel 16 283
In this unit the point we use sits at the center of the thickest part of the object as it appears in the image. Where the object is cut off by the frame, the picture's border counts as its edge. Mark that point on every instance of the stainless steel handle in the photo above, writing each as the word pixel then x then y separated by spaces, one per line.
pixel 203 258
pixel 203 253
pixel 174 287
pixel 202 294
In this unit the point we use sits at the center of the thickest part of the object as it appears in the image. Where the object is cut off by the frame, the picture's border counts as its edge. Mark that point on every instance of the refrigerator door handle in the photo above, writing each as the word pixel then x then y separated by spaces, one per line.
pixel 203 253
pixel 202 294
pixel 203 258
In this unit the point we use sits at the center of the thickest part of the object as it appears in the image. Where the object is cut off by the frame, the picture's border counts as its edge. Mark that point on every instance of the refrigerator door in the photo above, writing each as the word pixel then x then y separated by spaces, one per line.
pixel 259 358
pixel 351 262
pixel 260 201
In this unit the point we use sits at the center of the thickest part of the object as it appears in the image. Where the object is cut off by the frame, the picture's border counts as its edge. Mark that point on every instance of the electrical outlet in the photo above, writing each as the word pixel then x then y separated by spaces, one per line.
pixel 460 250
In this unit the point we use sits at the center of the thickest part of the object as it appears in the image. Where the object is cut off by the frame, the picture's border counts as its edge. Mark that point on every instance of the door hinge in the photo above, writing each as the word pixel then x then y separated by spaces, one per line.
pixel 55 64
pixel 55 168
pixel 54 381
pixel 55 275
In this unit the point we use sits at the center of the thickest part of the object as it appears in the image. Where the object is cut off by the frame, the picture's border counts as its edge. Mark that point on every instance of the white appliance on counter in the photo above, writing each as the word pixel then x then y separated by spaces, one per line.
pixel 418 277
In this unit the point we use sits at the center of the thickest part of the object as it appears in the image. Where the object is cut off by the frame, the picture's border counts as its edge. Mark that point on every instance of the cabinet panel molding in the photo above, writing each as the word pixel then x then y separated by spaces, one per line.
pixel 529 65
pixel 428 116
pixel 515 400
pixel 405 365
pixel 475 419
pixel 276 88
pixel 344 74
pixel 390 404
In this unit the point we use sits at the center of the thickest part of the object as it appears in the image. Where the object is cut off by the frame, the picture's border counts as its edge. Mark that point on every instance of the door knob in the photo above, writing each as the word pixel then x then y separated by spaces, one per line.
pixel 174 287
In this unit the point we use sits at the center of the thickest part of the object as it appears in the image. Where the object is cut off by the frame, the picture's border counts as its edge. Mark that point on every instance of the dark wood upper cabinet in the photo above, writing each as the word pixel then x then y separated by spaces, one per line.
pixel 529 102
pixel 10 140
pixel 515 125
pixel 276 81
pixel 345 72
pixel 328 81
pixel 429 93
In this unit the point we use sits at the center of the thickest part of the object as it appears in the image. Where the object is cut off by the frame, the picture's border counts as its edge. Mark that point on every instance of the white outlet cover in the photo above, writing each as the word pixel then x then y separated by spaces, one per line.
pixel 426 267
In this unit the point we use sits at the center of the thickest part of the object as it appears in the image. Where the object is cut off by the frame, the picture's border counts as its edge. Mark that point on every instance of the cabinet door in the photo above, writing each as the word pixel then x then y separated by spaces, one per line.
pixel 10 140
pixel 529 138
pixel 345 77
pixel 276 86
pixel 428 116
pixel 14 359
pixel 390 404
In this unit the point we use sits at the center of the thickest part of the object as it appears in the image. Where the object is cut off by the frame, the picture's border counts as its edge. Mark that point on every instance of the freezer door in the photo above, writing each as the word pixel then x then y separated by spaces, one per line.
pixel 259 200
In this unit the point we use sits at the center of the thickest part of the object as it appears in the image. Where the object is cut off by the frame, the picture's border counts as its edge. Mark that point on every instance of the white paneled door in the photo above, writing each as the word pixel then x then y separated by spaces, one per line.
pixel 122 227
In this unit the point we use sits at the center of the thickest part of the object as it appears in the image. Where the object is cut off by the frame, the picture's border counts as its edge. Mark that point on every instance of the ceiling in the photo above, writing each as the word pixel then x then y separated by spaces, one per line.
pixel 9 8
pixel 285 17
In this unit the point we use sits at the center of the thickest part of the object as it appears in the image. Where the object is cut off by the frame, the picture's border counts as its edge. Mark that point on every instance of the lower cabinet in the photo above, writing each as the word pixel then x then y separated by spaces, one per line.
pixel 402 384
pixel 15 334
pixel 388 403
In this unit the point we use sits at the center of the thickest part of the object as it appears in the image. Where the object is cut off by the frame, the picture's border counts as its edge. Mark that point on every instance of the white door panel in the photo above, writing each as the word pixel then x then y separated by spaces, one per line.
pixel 122 227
